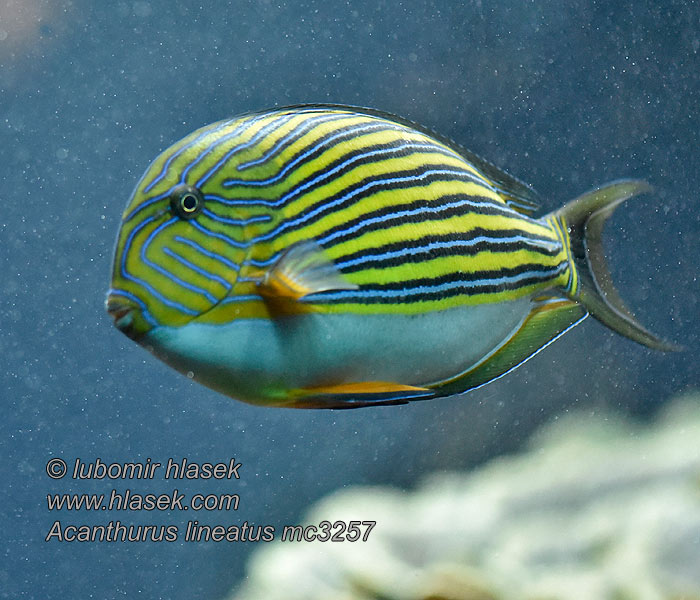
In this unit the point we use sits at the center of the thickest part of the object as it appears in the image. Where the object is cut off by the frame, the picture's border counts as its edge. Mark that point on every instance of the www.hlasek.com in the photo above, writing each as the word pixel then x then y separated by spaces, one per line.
pixel 127 500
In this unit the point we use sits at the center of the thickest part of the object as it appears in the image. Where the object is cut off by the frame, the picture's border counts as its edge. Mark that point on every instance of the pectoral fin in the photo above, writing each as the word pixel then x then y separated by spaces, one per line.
pixel 302 269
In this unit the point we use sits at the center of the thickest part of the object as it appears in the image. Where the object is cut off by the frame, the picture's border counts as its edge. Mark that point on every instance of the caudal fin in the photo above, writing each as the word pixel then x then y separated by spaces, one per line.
pixel 584 218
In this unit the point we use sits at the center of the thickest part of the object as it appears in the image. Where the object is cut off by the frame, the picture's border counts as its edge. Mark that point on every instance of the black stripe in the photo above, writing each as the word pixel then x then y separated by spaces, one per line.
pixel 322 146
pixel 414 296
pixel 466 277
pixel 303 128
pixel 465 249
pixel 448 209
pixel 376 184
pixel 400 153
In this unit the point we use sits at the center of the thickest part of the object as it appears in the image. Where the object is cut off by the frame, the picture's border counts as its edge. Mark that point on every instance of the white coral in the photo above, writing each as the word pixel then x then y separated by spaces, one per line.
pixel 596 508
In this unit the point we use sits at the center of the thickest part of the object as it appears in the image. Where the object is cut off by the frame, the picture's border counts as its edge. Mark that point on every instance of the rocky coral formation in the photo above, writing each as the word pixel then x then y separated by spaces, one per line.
pixel 595 508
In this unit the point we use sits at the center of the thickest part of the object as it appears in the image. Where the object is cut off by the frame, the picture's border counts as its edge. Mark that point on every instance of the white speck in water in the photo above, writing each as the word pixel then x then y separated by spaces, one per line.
pixel 61 153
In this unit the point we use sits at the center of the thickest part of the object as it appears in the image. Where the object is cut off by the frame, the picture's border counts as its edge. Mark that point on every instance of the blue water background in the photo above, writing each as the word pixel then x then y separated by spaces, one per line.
pixel 565 95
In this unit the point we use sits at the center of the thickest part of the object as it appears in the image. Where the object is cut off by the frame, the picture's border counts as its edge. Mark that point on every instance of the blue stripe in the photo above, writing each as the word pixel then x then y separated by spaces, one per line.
pixel 505 210
pixel 145 204
pixel 352 132
pixel 254 140
pixel 544 275
pixel 225 201
pixel 241 298
pixel 360 157
pixel 209 130
pixel 197 269
pixel 297 133
pixel 166 273
pixel 325 207
pixel 558 226
pixel 205 252
pixel 141 282
pixel 240 129
pixel 239 222
pixel 263 263
pixel 410 250
pixel 219 236
pixel 234 201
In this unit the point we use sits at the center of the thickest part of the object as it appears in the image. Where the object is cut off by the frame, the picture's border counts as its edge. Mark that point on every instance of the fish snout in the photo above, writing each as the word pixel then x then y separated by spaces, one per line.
pixel 123 312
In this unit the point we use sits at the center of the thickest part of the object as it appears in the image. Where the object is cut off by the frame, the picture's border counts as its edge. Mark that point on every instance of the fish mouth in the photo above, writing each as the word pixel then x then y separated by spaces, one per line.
pixel 131 316
pixel 123 314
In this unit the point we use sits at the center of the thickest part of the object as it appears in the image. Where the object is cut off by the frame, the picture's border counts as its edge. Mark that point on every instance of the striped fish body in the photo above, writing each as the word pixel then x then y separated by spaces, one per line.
pixel 333 257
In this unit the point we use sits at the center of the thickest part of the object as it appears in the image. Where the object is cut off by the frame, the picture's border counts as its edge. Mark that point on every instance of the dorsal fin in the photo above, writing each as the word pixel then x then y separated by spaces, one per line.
pixel 518 195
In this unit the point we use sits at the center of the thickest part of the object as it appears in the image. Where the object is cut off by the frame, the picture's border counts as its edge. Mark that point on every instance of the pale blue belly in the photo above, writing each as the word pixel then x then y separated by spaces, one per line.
pixel 260 360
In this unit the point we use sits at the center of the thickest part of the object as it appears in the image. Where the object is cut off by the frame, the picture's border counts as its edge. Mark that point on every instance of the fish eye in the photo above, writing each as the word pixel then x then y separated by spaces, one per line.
pixel 186 201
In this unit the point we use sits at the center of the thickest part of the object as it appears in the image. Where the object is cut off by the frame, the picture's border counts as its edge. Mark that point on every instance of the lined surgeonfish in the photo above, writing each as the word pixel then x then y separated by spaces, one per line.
pixel 334 257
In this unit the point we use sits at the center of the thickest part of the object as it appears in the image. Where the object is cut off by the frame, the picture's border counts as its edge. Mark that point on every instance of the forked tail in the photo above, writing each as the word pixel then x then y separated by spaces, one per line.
pixel 584 218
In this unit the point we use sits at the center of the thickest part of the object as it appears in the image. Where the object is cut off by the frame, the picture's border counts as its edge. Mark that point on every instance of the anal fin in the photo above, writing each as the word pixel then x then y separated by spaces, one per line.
pixel 549 318
pixel 359 394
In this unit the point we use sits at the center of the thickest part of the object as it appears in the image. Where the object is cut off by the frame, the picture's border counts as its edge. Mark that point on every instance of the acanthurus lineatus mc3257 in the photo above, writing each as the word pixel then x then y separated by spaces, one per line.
pixel 334 257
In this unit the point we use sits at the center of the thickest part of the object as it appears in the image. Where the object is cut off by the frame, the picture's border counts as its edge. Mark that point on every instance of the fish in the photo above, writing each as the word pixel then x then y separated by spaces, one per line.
pixel 327 256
